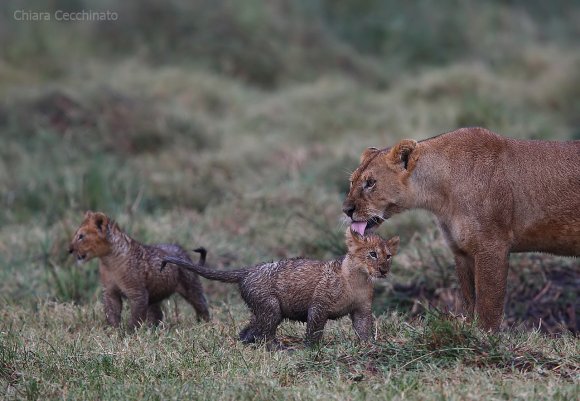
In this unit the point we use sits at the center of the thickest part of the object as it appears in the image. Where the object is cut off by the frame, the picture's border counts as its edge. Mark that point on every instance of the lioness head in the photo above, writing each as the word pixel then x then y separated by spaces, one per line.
pixel 90 239
pixel 379 186
pixel 371 252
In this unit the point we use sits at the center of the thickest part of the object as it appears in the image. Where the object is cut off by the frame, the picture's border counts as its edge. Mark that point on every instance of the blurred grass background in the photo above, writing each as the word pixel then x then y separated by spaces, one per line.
pixel 234 125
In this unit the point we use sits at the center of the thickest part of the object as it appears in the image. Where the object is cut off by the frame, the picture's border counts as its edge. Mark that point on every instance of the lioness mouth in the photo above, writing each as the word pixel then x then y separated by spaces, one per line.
pixel 365 227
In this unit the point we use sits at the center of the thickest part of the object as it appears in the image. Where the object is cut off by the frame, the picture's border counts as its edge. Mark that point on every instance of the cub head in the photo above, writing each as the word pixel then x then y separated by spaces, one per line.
pixel 371 252
pixel 379 185
pixel 90 239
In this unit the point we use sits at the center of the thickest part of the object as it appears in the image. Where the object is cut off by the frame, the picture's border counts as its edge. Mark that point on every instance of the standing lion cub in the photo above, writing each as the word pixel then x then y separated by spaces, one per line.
pixel 129 269
pixel 310 291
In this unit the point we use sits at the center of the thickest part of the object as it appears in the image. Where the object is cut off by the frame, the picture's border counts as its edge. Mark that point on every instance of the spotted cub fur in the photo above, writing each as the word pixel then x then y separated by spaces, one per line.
pixel 129 269
pixel 310 291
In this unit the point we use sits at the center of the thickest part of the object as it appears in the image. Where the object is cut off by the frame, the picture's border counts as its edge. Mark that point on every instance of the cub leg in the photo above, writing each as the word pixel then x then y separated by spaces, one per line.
pixel 190 288
pixel 113 304
pixel 491 270
pixel 464 266
pixel 139 302
pixel 249 333
pixel 154 314
pixel 268 317
pixel 362 322
pixel 315 325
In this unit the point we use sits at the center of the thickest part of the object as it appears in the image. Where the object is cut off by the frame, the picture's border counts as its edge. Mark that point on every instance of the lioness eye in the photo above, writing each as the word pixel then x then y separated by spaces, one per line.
pixel 81 236
pixel 373 254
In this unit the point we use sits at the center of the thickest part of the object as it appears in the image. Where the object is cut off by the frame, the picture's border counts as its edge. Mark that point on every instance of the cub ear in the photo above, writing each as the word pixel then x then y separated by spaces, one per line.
pixel 393 245
pixel 367 154
pixel 88 213
pixel 101 221
pixel 353 239
pixel 401 152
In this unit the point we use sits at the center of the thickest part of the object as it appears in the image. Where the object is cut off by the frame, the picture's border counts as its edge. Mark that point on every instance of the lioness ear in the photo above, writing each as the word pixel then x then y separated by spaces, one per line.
pixel 401 152
pixel 88 213
pixel 353 239
pixel 367 154
pixel 393 245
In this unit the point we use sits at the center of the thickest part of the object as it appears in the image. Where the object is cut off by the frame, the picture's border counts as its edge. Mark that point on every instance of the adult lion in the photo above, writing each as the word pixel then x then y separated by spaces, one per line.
pixel 491 195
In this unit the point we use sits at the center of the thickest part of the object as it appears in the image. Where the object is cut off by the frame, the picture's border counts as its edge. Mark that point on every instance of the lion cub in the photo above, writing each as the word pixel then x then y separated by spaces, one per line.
pixel 129 269
pixel 309 291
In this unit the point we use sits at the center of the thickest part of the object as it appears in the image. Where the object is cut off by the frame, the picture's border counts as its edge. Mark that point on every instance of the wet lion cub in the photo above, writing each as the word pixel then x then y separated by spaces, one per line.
pixel 309 291
pixel 129 269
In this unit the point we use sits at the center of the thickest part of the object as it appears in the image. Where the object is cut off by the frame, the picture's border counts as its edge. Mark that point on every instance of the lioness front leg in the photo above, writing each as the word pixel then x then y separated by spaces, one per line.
pixel 465 266
pixel 491 270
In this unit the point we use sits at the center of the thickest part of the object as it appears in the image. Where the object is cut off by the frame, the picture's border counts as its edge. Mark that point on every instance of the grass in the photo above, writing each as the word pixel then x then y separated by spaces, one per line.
pixel 241 140
pixel 55 355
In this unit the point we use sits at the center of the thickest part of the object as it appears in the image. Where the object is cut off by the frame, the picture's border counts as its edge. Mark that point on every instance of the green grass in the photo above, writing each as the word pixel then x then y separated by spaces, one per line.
pixel 234 126
pixel 55 355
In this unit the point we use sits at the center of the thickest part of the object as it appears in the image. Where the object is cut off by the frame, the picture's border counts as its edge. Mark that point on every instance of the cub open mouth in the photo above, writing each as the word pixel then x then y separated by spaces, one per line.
pixel 366 227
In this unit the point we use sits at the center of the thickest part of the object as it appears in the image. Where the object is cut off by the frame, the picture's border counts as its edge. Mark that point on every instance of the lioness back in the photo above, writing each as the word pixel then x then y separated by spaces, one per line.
pixel 532 185
pixel 547 207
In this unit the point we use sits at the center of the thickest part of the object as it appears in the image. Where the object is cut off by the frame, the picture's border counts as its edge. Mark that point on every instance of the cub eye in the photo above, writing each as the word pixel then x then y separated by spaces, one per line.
pixel 369 183
pixel 388 257
pixel 373 254
pixel 81 236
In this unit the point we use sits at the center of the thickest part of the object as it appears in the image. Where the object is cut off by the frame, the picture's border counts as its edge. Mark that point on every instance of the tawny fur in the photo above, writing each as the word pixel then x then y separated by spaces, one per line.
pixel 129 269
pixel 309 291
pixel 491 195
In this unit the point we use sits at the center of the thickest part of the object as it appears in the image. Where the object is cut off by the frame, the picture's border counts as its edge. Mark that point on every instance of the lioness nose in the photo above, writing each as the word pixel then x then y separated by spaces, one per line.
pixel 348 209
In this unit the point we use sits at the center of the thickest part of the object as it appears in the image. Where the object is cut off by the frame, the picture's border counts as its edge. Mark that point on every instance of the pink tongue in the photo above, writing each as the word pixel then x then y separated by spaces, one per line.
pixel 359 227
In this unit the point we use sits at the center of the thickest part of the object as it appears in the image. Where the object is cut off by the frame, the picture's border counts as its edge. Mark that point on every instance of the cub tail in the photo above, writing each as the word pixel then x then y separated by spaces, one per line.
pixel 202 254
pixel 231 276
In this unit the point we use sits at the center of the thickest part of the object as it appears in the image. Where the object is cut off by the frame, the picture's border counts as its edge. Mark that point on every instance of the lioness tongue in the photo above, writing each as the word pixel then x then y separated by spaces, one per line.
pixel 359 227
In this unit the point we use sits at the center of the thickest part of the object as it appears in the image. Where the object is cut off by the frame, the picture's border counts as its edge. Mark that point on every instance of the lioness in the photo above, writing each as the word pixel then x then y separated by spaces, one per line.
pixel 491 195
pixel 129 269
pixel 310 291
